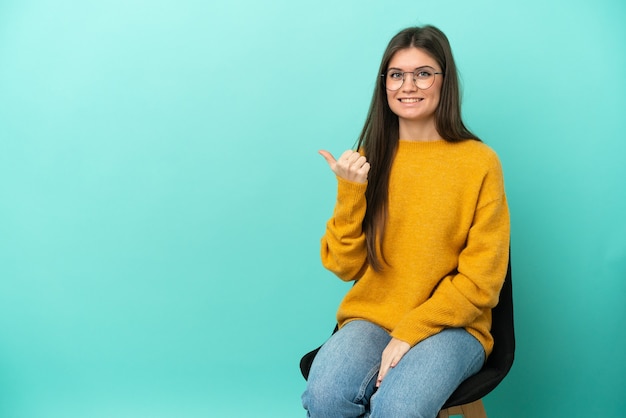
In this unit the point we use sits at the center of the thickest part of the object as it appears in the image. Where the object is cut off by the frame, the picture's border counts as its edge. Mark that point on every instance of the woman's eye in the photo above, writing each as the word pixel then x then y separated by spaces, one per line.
pixel 424 74
pixel 395 76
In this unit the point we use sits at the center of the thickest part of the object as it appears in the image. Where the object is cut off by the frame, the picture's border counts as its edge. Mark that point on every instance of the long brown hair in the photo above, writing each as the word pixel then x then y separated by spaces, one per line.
pixel 379 137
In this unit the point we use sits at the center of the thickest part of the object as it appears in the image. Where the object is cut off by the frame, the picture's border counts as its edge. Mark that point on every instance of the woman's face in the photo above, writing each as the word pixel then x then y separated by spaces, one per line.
pixel 410 103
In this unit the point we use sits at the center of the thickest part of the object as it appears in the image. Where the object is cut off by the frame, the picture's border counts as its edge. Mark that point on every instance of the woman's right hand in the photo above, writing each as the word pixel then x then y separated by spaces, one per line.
pixel 351 166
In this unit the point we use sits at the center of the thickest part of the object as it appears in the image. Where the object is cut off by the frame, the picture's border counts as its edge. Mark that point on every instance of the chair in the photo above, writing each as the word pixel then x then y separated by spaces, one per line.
pixel 466 400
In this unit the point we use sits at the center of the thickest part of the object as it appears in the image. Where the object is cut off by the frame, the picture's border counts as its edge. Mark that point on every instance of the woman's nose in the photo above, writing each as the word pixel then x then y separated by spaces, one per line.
pixel 409 82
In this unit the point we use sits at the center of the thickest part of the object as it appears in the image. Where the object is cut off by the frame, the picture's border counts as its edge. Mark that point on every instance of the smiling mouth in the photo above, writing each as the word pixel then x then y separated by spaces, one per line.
pixel 410 100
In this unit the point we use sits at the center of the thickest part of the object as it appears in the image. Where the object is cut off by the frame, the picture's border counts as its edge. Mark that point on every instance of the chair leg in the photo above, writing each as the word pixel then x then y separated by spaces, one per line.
pixel 475 409
pixel 469 410
pixel 446 413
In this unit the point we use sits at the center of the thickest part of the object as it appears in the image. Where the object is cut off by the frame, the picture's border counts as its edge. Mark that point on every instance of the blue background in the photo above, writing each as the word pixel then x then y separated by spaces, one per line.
pixel 162 200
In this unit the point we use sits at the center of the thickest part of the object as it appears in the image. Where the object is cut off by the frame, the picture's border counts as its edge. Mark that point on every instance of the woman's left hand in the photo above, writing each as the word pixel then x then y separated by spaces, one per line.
pixel 392 354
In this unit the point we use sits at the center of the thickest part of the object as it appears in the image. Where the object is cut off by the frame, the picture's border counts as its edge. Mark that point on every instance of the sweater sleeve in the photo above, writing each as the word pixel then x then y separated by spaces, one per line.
pixel 462 297
pixel 343 248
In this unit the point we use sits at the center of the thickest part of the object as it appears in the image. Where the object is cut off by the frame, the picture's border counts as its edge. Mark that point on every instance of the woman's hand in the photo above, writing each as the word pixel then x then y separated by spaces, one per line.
pixel 351 166
pixel 392 354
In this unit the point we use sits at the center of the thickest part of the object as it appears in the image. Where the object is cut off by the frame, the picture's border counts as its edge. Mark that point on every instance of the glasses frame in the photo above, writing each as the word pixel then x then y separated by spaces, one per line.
pixel 414 77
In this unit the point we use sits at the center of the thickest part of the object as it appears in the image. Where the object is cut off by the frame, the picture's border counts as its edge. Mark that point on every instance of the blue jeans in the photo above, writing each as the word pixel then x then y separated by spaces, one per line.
pixel 343 375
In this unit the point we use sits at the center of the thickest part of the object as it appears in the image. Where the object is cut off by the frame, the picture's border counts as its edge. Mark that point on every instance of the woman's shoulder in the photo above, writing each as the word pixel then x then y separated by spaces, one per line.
pixel 478 150
pixel 476 156
pixel 477 146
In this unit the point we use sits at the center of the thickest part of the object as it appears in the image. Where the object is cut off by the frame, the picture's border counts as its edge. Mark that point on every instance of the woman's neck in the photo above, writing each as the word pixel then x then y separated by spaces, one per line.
pixel 419 131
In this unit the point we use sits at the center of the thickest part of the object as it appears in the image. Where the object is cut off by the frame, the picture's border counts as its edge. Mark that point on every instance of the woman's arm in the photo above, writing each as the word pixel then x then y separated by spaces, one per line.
pixel 343 247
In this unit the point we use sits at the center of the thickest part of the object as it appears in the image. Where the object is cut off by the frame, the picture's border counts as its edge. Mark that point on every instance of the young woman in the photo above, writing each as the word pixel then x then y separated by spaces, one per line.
pixel 421 225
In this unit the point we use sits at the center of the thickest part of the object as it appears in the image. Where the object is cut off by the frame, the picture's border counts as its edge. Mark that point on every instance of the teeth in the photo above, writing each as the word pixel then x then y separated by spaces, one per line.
pixel 410 100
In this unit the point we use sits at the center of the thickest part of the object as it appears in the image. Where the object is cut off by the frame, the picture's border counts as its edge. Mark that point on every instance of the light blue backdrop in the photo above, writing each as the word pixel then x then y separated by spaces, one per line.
pixel 162 200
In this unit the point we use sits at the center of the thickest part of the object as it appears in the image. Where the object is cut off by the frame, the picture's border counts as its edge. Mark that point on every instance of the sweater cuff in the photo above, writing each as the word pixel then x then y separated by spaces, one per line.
pixel 351 203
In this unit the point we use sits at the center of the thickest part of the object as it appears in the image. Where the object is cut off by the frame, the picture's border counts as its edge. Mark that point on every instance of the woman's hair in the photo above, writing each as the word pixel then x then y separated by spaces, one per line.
pixel 379 137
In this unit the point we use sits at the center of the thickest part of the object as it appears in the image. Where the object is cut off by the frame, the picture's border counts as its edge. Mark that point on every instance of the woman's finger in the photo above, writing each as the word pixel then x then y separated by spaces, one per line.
pixel 392 354
pixel 328 157
pixel 381 375
pixel 360 162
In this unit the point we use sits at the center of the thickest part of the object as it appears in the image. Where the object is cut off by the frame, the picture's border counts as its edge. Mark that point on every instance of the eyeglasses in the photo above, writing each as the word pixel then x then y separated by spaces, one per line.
pixel 423 77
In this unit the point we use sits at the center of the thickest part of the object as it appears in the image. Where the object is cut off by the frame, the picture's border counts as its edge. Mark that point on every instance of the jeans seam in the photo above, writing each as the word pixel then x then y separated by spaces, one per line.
pixel 368 378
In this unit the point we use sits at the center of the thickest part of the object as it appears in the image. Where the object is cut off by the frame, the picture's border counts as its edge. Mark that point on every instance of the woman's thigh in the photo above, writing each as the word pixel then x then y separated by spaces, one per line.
pixel 427 375
pixel 343 374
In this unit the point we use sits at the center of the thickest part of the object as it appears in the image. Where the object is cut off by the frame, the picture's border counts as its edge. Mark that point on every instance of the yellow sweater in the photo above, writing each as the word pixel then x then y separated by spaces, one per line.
pixel 446 243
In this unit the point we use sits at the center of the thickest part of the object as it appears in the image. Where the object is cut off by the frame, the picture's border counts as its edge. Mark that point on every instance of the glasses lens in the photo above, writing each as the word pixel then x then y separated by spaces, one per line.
pixel 394 80
pixel 424 78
